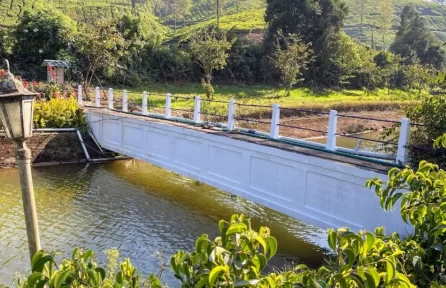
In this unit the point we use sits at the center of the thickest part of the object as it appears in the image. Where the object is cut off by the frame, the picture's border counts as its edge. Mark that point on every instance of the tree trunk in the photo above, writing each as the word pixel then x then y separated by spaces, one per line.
pixel 218 14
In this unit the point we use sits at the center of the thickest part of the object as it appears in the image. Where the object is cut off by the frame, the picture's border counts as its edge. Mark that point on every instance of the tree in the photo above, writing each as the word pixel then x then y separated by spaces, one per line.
pixel 318 23
pixel 386 12
pixel 45 34
pixel 180 9
pixel 363 8
pixel 210 49
pixel 291 58
pixel 415 43
pixel 220 5
pixel 98 47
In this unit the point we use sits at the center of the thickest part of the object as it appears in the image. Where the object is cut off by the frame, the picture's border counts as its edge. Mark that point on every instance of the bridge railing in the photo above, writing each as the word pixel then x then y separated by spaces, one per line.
pixel 229 116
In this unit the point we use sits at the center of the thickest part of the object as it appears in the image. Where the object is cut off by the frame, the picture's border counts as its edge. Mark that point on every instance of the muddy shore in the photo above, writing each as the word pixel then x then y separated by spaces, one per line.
pixel 46 148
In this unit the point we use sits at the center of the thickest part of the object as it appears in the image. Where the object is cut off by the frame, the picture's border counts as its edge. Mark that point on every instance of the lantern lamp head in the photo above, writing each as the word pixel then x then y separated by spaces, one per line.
pixel 16 107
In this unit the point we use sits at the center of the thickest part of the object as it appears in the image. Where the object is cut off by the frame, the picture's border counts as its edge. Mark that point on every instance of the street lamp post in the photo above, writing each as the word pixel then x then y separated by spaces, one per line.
pixel 16 115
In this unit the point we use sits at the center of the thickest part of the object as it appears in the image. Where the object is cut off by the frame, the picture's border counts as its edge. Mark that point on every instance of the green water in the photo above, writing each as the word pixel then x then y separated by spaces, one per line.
pixel 351 143
pixel 137 208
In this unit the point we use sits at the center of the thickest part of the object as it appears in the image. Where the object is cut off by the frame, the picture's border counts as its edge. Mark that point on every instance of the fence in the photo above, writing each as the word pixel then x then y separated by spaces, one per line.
pixel 201 113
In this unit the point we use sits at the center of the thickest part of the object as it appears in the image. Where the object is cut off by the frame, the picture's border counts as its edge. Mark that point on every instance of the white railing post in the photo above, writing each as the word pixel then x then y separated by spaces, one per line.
pixel 144 103
pixel 402 155
pixel 125 102
pixel 275 122
pixel 332 130
pixel 168 111
pixel 231 115
pixel 110 99
pixel 79 94
pixel 98 97
pixel 197 109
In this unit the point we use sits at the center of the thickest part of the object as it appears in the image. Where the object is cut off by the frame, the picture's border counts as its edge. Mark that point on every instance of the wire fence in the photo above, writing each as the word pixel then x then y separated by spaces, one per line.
pixel 309 125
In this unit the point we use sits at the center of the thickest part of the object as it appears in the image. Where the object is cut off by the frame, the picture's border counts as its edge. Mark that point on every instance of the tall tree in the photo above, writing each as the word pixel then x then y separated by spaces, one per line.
pixel 415 43
pixel 210 49
pixel 318 23
pixel 386 12
pixel 363 9
pixel 290 59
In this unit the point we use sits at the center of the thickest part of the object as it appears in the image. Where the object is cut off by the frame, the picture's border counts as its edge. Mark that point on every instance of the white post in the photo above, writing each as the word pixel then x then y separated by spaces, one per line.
pixel 125 102
pixel 79 94
pixel 231 115
pixel 110 99
pixel 197 109
pixel 98 97
pixel 402 155
pixel 144 103
pixel 332 130
pixel 168 111
pixel 275 122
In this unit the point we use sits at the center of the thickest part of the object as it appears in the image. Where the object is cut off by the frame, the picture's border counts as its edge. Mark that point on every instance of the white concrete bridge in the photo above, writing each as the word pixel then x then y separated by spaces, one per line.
pixel 321 184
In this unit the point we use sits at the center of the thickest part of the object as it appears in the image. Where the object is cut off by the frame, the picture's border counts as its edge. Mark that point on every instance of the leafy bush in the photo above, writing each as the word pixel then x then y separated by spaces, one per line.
pixel 82 271
pixel 58 113
pixel 239 255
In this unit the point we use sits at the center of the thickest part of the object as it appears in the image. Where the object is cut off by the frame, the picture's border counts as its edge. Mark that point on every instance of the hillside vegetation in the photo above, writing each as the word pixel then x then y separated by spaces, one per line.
pixel 243 15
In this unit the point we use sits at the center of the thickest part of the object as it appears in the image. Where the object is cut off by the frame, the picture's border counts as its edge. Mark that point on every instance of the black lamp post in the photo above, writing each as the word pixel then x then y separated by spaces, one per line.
pixel 16 115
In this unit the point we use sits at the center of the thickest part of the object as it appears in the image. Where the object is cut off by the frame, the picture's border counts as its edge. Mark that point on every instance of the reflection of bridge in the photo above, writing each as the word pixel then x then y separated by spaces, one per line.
pixel 317 183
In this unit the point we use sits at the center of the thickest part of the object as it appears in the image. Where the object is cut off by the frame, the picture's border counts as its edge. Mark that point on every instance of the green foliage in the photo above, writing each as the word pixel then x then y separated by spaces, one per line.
pixel 318 23
pixel 40 35
pixel 99 48
pixel 431 112
pixel 81 271
pixel 58 113
pixel 210 49
pixel 415 43
pixel 422 195
pixel 291 58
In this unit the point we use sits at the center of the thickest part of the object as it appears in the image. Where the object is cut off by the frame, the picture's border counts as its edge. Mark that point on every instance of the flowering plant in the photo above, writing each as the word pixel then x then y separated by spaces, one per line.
pixel 2 74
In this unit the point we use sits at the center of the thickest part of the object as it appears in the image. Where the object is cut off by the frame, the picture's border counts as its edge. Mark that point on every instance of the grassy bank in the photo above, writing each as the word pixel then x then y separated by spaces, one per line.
pixel 303 98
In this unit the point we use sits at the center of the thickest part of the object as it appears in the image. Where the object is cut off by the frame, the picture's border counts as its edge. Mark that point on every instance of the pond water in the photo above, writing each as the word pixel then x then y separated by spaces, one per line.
pixel 139 209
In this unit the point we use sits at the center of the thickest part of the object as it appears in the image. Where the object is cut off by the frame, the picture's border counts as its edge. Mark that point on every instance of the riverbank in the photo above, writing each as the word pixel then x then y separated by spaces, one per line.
pixel 47 148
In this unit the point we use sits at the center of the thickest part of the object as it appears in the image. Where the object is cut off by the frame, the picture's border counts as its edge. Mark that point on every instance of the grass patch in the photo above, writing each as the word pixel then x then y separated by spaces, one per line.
pixel 300 98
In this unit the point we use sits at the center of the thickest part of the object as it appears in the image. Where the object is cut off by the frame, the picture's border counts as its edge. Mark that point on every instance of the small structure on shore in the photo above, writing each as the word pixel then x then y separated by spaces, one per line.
pixel 56 70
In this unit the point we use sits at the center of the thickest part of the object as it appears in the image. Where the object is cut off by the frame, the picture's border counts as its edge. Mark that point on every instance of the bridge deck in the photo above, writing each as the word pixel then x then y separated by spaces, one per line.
pixel 352 161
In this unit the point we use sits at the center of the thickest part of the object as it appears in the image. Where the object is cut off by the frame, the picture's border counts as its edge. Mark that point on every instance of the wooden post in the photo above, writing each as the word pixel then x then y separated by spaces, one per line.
pixel 144 103
pixel 332 130
pixel 125 102
pixel 197 110
pixel 231 115
pixel 168 111
pixel 110 99
pixel 98 97
pixel 402 155
pixel 275 122
pixel 79 94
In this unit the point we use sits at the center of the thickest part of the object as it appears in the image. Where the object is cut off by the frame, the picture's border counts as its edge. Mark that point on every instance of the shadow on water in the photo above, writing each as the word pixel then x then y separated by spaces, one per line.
pixel 139 209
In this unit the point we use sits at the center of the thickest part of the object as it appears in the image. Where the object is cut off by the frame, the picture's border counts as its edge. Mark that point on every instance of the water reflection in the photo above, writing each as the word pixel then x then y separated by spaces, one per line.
pixel 135 207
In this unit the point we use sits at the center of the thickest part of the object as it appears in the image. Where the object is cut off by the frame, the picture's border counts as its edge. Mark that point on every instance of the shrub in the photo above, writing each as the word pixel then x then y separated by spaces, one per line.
pixel 58 113
pixel 240 254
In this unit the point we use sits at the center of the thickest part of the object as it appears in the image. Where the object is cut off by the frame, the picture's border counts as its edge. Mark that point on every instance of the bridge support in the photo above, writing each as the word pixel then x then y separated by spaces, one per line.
pixel 79 94
pixel 332 127
pixel 197 110
pixel 231 115
pixel 144 103
pixel 168 111
pixel 402 155
pixel 275 122
pixel 98 97
pixel 125 101
pixel 110 99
